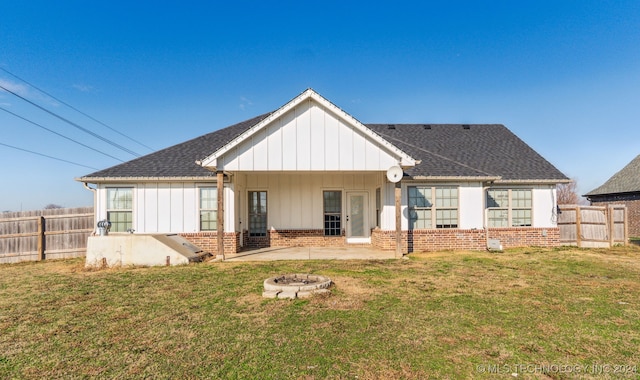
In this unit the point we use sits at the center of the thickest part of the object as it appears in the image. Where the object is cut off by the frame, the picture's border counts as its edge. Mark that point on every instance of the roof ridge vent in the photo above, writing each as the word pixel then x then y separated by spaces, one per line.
pixel 426 126
pixel 391 126
pixel 466 126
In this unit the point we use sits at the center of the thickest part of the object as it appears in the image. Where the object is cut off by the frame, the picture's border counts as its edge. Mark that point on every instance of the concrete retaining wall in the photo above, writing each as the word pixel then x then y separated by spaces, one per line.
pixel 133 249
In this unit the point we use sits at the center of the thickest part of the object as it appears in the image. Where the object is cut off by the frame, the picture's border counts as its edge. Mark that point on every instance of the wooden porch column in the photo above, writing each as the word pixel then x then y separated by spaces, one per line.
pixel 220 229
pixel 398 195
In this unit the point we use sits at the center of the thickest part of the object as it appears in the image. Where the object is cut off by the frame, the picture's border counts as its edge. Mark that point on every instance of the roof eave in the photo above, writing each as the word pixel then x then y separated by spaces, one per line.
pixel 454 178
pixel 607 194
pixel 144 179
pixel 534 181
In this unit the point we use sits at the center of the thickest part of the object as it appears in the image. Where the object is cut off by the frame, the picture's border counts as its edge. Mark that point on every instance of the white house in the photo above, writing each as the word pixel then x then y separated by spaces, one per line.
pixel 310 174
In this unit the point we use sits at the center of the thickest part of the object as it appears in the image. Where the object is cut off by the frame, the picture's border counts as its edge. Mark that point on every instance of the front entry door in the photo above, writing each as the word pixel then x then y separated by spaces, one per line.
pixel 358 217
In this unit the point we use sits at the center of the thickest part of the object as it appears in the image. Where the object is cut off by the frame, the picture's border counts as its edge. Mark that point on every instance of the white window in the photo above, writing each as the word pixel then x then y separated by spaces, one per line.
pixel 208 208
pixel 332 206
pixel 433 207
pixel 257 213
pixel 120 208
pixel 509 207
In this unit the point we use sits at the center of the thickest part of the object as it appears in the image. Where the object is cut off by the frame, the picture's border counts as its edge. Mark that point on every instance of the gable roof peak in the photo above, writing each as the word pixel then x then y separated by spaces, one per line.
pixel 403 158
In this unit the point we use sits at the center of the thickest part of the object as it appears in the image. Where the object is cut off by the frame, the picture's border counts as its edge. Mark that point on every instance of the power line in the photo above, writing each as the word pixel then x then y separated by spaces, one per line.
pixel 75 109
pixel 85 130
pixel 58 134
pixel 44 155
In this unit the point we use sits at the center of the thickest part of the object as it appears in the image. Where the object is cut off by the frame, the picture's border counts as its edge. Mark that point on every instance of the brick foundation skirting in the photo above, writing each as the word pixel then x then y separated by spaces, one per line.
pixel 458 239
pixel 294 238
pixel 412 241
pixel 208 241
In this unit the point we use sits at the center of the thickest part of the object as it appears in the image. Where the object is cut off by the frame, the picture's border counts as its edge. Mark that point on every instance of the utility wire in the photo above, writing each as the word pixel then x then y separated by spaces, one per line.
pixel 44 155
pixel 72 123
pixel 58 134
pixel 75 109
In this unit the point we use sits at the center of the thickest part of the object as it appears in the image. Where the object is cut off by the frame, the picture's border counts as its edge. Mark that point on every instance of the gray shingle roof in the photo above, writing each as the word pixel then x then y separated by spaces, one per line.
pixel 445 150
pixel 461 150
pixel 626 180
pixel 178 160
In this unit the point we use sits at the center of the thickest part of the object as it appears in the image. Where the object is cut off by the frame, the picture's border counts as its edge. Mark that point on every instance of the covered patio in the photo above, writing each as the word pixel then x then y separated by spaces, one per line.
pixel 312 253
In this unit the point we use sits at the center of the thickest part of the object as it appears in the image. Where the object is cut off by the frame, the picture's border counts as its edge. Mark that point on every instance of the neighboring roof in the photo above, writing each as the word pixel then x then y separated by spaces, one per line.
pixel 442 151
pixel 626 180
pixel 469 150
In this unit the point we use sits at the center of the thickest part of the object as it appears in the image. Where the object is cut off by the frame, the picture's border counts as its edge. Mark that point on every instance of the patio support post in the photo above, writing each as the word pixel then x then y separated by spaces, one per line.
pixel 398 196
pixel 220 221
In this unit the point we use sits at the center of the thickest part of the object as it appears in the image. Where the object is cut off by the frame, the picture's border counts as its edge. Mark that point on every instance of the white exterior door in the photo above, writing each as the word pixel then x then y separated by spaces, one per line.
pixel 358 217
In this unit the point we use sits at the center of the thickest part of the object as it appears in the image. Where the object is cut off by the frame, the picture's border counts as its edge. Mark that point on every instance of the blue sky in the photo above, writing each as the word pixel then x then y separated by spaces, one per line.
pixel 562 75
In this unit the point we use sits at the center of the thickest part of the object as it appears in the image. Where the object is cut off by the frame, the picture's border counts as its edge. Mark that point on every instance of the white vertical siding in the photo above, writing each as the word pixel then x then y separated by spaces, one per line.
pixel 260 150
pixel 177 207
pixel 308 138
pixel 388 214
pixel 289 140
pixel 303 137
pixel 229 209
pixel 190 208
pixel 317 139
pixel 471 206
pixel 150 216
pixel 166 207
pixel 544 207
pixel 330 156
pixel 295 201
pixel 274 151
pixel 345 136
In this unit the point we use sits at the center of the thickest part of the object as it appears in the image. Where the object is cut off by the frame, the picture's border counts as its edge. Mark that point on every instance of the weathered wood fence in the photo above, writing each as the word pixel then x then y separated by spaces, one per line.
pixel 593 226
pixel 45 234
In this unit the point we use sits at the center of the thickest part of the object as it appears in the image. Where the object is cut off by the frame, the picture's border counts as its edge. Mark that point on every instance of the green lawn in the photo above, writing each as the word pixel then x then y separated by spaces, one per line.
pixel 533 312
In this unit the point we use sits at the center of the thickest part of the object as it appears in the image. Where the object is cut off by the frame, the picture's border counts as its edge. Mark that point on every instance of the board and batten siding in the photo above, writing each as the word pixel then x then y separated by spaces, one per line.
pixel 545 206
pixel 165 207
pixel 295 200
pixel 308 138
pixel 471 205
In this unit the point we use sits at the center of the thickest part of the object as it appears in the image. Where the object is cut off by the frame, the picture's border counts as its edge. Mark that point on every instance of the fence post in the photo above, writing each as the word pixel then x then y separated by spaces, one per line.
pixel 578 227
pixel 612 225
pixel 41 238
pixel 625 215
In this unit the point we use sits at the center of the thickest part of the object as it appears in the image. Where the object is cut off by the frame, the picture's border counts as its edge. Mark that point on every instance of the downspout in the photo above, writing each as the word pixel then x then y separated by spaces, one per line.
pixel 95 201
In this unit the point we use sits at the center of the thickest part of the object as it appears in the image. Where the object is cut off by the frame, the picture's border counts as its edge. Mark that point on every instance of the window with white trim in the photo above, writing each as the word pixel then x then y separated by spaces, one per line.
pixel 509 207
pixel 120 208
pixel 257 213
pixel 208 208
pixel 433 207
pixel 332 207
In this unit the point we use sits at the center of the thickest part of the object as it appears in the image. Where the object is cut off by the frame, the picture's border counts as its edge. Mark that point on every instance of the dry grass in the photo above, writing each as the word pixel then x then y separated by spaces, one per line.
pixel 436 315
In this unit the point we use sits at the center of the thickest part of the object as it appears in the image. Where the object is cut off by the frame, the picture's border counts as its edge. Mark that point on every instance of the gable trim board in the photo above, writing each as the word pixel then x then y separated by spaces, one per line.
pixel 327 109
pixel 294 155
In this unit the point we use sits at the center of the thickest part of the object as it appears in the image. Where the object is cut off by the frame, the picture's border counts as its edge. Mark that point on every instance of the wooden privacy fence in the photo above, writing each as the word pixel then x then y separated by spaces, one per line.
pixel 593 226
pixel 45 234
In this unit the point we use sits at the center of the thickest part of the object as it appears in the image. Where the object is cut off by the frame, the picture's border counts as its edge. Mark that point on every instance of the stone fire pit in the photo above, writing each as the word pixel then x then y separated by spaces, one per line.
pixel 295 286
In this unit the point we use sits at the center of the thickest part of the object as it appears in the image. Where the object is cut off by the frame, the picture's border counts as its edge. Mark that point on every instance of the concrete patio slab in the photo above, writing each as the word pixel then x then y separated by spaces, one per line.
pixel 312 253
